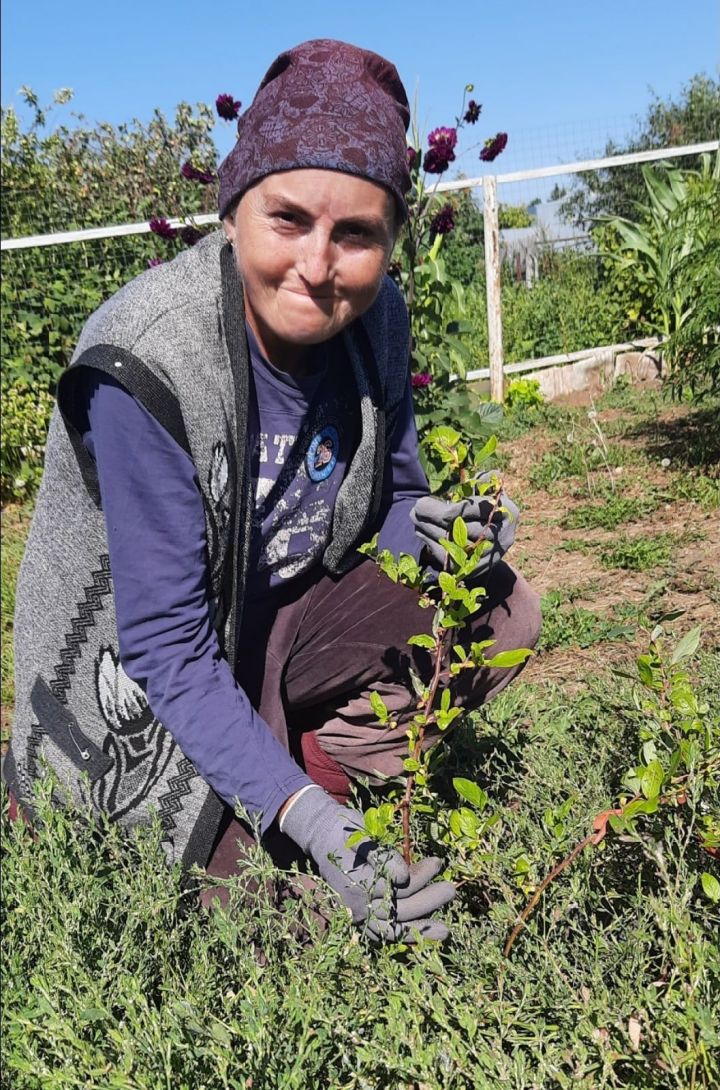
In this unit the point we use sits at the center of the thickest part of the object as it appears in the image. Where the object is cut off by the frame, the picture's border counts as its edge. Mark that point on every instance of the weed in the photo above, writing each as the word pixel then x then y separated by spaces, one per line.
pixel 611 512
pixel 638 553
pixel 698 489
pixel 589 459
pixel 566 624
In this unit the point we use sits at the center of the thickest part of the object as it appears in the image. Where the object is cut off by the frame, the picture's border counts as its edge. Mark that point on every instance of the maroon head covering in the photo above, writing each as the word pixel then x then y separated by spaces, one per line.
pixel 328 105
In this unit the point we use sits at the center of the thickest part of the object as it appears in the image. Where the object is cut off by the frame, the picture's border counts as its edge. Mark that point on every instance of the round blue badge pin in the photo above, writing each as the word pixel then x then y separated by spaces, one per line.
pixel 321 457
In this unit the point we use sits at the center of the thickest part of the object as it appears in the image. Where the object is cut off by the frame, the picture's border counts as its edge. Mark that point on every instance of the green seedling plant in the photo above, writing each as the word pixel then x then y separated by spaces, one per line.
pixel 677 774
pixel 453 600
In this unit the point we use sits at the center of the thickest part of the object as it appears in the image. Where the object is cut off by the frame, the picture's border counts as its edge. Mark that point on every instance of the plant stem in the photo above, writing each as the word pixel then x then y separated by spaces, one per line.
pixel 440 648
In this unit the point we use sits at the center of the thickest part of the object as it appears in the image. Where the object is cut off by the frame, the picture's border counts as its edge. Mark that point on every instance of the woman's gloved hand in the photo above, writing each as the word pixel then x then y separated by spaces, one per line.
pixel 377 886
pixel 434 517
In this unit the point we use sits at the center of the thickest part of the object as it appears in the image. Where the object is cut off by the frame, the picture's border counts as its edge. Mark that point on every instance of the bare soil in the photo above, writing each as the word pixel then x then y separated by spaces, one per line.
pixel 690 581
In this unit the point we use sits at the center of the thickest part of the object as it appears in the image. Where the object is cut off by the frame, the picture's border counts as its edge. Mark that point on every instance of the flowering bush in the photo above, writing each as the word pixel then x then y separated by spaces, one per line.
pixel 435 301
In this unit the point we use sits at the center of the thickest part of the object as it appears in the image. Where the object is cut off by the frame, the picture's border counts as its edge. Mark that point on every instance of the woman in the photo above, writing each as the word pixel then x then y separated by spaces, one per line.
pixel 194 628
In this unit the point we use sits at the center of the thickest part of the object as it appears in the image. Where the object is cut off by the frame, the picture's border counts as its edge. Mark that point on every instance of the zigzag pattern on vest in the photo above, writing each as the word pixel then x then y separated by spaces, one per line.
pixel 179 785
pixel 100 588
pixel 80 625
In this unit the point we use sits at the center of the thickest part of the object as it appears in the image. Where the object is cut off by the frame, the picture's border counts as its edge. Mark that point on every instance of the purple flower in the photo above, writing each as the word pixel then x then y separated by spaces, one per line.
pixel 205 177
pixel 443 138
pixel 493 147
pixel 423 378
pixel 473 112
pixel 154 261
pixel 227 107
pixel 441 153
pixel 444 222
pixel 412 157
pixel 160 226
pixel 436 160
pixel 190 235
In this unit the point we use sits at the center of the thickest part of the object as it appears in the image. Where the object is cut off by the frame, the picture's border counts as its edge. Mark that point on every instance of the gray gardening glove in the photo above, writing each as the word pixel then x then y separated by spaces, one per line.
pixel 433 519
pixel 374 883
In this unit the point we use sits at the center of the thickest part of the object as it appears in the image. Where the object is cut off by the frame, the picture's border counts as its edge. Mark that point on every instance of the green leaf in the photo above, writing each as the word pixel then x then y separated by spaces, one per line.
pixel 220 1033
pixel 470 791
pixel 460 533
pixel 687 647
pixel 509 658
pixel 422 640
pixel 410 764
pixel 447 582
pixel 92 1014
pixel 355 838
pixel 652 780
pixel 379 706
pixel 711 887
pixel 640 806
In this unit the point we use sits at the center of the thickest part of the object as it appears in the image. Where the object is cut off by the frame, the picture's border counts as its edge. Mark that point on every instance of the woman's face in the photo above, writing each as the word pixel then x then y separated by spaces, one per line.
pixel 312 247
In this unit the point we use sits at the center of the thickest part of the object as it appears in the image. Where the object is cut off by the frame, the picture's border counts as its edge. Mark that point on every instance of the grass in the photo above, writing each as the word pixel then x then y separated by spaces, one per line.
pixel 114 979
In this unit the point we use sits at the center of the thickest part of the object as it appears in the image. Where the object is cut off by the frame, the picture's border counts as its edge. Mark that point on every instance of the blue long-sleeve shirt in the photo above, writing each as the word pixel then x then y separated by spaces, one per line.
pixel 153 509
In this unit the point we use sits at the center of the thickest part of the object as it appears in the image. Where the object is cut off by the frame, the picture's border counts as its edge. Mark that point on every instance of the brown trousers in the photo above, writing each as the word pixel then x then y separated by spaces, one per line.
pixel 309 664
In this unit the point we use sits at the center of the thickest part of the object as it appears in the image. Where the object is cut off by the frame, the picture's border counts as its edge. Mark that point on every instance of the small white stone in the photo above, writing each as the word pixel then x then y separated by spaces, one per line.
pixel 118 363
pixel 665 463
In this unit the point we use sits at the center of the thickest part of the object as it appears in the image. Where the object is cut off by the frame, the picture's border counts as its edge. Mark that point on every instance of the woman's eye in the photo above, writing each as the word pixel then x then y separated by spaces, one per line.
pixel 286 217
pixel 356 233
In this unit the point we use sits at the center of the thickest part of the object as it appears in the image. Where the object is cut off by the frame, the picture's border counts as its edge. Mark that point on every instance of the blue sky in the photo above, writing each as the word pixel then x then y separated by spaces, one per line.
pixel 558 77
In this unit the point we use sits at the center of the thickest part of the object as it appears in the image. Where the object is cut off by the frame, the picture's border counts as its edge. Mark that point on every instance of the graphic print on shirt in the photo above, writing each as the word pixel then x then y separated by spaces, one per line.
pixel 295 497
pixel 141 748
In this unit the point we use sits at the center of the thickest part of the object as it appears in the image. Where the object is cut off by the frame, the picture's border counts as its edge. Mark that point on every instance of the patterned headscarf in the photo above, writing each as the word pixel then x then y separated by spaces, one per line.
pixel 328 105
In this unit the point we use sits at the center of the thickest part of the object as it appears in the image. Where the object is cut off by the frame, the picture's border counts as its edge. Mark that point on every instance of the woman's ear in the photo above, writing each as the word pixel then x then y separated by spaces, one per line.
pixel 229 228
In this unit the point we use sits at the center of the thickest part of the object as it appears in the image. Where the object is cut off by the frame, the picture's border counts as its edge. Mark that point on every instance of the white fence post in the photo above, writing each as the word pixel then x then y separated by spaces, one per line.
pixel 492 277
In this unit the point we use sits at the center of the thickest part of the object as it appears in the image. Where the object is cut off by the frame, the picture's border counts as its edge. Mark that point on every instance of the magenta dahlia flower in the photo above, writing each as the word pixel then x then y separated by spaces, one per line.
pixel 227 107
pixel 160 226
pixel 473 112
pixel 443 138
pixel 493 147
pixel 441 152
pixel 205 177
pixel 190 235
pixel 418 381
pixel 444 222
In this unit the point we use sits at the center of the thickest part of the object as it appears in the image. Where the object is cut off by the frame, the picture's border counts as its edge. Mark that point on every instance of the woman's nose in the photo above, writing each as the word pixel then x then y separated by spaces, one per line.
pixel 316 259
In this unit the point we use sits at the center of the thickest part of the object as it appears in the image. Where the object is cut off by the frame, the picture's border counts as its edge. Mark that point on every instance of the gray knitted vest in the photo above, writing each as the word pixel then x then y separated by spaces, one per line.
pixel 175 338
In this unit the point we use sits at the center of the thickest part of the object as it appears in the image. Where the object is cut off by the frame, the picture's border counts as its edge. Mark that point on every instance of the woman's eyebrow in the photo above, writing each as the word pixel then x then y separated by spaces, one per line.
pixel 277 202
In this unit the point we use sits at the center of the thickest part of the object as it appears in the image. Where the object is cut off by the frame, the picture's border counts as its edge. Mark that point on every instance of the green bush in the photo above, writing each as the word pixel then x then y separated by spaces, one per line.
pixel 567 309
pixel 60 177
pixel 25 418
pixel 672 247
